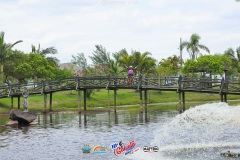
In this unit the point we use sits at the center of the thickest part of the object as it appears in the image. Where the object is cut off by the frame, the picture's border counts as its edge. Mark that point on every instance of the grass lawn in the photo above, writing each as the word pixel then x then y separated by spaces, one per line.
pixel 125 99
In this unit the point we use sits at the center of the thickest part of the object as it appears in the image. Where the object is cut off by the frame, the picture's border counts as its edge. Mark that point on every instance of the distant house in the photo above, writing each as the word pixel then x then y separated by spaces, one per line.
pixel 70 66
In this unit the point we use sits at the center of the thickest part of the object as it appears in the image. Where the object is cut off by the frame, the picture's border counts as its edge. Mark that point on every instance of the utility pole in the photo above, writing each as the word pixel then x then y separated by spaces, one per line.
pixel 1 72
pixel 180 48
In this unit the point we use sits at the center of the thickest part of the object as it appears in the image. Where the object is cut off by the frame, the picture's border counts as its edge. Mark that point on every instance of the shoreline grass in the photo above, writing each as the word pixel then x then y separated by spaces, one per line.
pixel 125 100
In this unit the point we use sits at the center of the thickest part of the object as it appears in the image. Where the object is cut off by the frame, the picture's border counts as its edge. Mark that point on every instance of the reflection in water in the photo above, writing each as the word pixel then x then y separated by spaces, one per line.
pixel 61 136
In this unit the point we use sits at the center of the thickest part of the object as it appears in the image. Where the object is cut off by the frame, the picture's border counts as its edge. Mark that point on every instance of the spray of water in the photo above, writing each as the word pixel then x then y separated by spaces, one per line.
pixel 199 133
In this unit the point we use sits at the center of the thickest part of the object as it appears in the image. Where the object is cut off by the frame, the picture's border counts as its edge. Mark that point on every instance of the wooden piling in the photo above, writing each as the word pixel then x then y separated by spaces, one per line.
pixel 12 102
pixel 141 103
pixel 18 102
pixel 79 101
pixel 45 102
pixel 85 99
pixel 50 101
pixel 183 101
pixel 145 99
pixel 108 101
pixel 225 98
pixel 115 100
pixel 180 102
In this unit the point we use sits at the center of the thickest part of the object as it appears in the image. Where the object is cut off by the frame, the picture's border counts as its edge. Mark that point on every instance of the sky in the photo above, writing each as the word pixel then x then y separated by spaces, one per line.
pixel 156 26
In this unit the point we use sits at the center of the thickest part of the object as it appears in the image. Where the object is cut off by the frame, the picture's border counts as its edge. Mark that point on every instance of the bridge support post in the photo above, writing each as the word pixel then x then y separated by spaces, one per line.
pixel 115 100
pixel 50 101
pixel 108 101
pixel 85 99
pixel 183 101
pixel 180 102
pixel 12 102
pixel 45 102
pixel 225 98
pixel 145 99
pixel 141 103
pixel 18 102
pixel 79 101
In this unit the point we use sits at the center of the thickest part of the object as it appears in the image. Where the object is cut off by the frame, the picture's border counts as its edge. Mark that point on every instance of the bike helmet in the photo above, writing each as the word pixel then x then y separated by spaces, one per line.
pixel 130 67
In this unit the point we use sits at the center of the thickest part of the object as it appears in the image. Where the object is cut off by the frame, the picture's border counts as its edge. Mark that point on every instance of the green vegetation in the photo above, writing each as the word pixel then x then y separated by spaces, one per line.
pixel 126 99
pixel 19 67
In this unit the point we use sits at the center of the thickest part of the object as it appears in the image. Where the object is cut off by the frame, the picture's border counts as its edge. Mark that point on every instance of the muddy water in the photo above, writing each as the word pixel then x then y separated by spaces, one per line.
pixel 199 133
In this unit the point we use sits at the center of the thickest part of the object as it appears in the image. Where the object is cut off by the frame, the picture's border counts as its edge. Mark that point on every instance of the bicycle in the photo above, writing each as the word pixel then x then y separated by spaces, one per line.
pixel 130 80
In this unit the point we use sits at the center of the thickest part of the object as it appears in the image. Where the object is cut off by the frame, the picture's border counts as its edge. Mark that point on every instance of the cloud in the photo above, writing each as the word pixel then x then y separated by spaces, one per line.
pixel 156 26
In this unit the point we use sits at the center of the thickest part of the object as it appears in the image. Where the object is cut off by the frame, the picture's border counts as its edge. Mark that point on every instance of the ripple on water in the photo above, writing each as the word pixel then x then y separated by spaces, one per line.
pixel 199 133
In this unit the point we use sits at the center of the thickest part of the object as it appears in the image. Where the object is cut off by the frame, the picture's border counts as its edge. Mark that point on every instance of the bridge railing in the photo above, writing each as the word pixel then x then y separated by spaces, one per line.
pixel 92 82
pixel 231 86
pixel 59 85
pixel 160 82
pixel 200 84
pixel 122 82
pixel 17 89
pixel 4 91
pixel 139 82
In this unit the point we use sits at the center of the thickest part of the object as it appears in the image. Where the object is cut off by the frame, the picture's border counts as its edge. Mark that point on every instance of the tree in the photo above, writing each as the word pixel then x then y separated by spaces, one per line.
pixel 125 59
pixel 44 52
pixel 41 67
pixel 169 66
pixel 100 56
pixel 238 52
pixel 101 60
pixel 235 67
pixel 214 64
pixel 5 49
pixel 23 72
pixel 15 59
pixel 145 63
pixel 193 46
pixel 79 60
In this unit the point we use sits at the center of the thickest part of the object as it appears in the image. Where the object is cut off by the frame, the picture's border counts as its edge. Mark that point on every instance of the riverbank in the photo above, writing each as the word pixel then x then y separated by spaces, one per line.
pixel 125 100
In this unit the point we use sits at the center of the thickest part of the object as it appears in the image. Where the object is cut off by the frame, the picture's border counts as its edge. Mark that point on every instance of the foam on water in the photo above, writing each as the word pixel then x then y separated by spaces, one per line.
pixel 199 133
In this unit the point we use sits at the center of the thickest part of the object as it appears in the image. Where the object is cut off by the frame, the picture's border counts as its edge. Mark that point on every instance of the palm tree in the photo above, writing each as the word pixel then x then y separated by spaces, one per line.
pixel 5 49
pixel 235 60
pixel 193 46
pixel 145 63
pixel 238 53
pixel 169 66
pixel 44 52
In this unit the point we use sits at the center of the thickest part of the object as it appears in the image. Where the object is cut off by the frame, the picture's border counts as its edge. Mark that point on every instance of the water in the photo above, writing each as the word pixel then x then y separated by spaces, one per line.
pixel 200 133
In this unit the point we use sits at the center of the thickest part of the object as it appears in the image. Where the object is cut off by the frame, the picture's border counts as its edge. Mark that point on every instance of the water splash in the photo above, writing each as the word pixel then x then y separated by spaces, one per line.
pixel 199 133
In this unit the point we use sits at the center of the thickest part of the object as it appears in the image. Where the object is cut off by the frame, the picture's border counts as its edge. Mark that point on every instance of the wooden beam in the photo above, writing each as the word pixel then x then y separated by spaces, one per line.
pixel 115 100
pixel 45 102
pixel 183 101
pixel 12 102
pixel 180 102
pixel 145 99
pixel 108 101
pixel 85 99
pixel 18 102
pixel 50 101
pixel 141 103
pixel 79 101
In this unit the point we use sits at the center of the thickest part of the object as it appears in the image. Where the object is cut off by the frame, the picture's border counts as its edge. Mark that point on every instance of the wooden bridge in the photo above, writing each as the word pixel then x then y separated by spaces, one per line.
pixel 142 84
